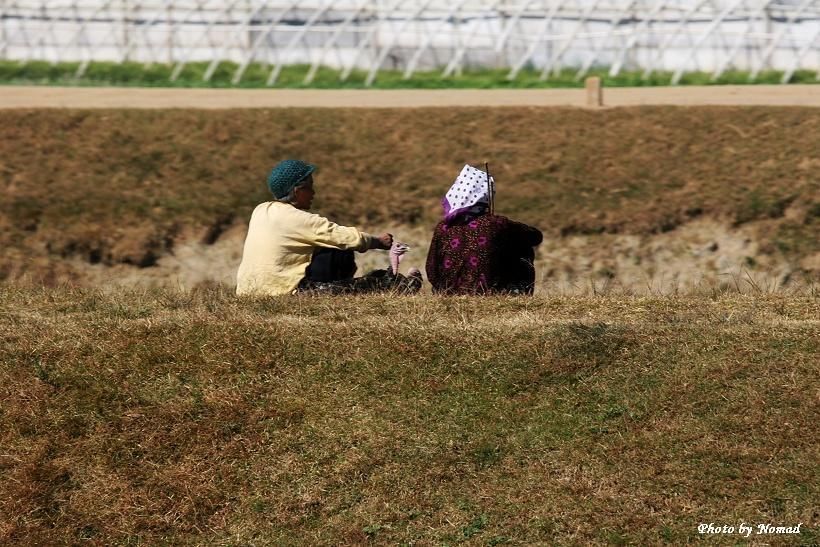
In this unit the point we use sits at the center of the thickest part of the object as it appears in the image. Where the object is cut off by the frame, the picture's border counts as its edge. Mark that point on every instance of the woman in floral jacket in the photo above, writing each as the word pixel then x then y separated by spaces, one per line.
pixel 476 252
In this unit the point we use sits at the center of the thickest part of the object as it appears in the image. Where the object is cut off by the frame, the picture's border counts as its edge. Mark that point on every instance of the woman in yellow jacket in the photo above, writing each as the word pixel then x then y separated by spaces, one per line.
pixel 289 250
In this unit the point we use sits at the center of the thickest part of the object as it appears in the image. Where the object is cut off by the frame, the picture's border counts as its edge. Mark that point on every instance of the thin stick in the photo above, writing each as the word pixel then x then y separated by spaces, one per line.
pixel 490 188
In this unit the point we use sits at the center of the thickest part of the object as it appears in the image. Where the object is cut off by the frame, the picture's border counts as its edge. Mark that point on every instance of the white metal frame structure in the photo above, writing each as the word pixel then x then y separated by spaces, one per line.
pixel 547 36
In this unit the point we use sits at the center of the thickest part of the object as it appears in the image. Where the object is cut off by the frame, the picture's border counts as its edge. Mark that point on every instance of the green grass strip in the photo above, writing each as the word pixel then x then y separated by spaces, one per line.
pixel 292 77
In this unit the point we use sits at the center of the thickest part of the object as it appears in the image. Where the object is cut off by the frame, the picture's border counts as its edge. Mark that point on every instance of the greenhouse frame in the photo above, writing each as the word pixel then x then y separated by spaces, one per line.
pixel 547 37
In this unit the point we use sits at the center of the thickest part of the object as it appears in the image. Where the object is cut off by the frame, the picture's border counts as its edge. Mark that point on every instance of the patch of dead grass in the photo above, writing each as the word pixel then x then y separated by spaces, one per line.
pixel 124 187
pixel 156 416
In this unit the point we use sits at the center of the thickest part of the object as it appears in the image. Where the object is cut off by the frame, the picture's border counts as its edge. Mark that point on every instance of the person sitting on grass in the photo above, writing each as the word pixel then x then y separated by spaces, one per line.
pixel 474 251
pixel 290 250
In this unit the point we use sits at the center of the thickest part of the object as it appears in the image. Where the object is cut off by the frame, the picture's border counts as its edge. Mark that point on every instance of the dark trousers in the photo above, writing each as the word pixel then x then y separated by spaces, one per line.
pixel 331 272
pixel 329 265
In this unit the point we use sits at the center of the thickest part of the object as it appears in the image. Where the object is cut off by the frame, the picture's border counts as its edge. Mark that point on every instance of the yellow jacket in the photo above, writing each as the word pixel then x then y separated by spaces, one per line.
pixel 280 244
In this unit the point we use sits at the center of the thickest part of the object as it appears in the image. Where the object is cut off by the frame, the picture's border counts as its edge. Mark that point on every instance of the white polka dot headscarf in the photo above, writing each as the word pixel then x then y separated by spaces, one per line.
pixel 469 190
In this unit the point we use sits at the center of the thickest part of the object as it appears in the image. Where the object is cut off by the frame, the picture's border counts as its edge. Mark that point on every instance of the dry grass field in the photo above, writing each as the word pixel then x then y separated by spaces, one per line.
pixel 631 196
pixel 665 374
pixel 154 417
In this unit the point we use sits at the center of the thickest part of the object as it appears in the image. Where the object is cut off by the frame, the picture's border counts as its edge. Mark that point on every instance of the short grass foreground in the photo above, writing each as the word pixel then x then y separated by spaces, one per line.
pixel 153 417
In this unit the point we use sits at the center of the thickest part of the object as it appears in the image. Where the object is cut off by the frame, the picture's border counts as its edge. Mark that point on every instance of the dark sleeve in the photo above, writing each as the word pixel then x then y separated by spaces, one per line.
pixel 433 260
pixel 528 235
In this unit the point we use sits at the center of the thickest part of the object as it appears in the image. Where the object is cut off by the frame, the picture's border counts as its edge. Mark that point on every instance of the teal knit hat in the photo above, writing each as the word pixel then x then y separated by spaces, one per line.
pixel 286 175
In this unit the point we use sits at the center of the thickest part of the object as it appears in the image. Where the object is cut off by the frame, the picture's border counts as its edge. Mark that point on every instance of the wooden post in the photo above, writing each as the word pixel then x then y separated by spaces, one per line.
pixel 595 92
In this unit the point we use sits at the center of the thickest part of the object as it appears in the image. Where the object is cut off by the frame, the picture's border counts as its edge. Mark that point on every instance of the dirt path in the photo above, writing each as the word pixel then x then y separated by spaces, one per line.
pixel 80 97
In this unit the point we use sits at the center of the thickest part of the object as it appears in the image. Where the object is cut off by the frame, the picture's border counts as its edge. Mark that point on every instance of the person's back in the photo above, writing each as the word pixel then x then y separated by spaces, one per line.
pixel 290 250
pixel 485 253
pixel 474 251
pixel 280 242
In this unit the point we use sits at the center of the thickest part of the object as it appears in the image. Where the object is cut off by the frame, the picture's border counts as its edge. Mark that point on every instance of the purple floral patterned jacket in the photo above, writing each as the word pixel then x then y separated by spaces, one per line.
pixel 482 254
